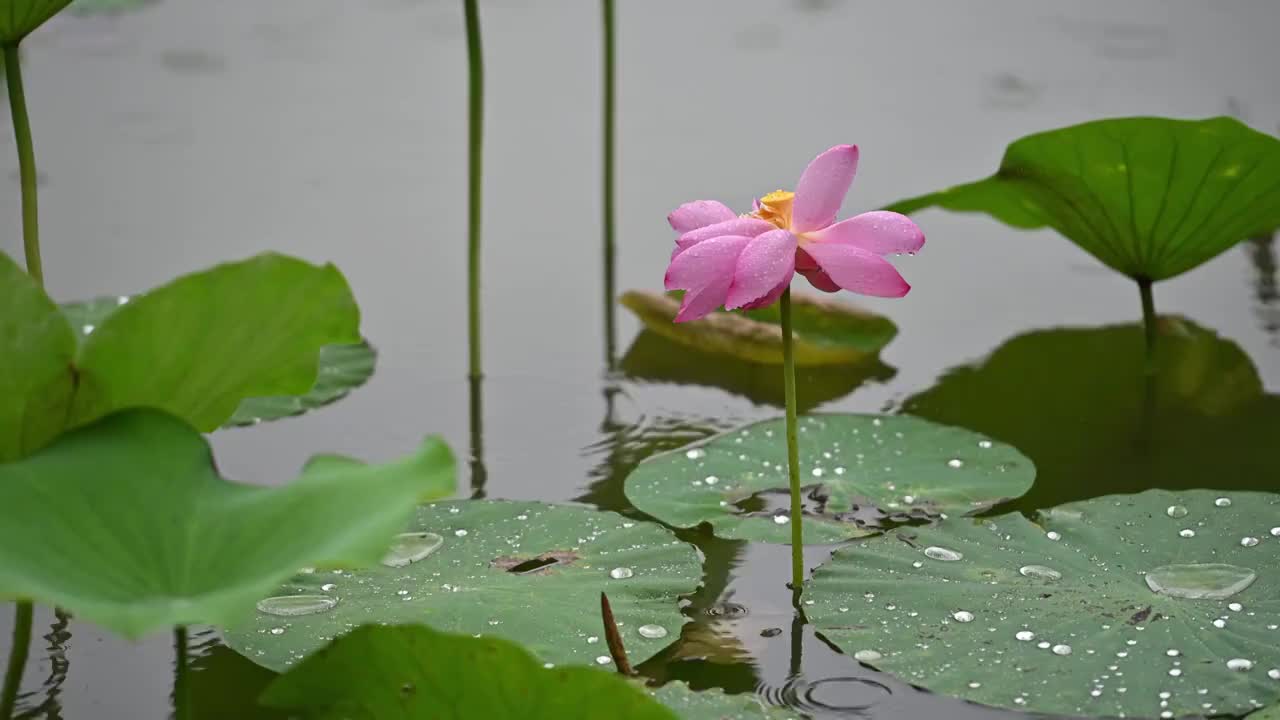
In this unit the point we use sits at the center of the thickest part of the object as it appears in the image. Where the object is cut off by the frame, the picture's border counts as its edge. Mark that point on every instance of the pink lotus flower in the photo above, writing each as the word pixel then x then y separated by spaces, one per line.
pixel 747 261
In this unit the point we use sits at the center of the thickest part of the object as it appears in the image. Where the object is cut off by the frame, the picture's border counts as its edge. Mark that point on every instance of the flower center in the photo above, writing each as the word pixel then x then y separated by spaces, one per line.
pixel 776 208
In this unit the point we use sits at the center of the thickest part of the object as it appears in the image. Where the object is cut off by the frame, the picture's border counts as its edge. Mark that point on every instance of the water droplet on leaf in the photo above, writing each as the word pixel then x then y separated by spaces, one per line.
pixel 292 605
pixel 410 548
pixel 1204 581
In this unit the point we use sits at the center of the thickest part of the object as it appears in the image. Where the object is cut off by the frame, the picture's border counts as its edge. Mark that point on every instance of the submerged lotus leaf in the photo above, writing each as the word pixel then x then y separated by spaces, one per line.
pixel 858 471
pixel 126 523
pixel 524 571
pixel 195 347
pixel 18 18
pixel 1060 616
pixel 407 672
pixel 714 704
pixel 1150 197
pixel 656 358
pixel 341 368
pixel 1077 402
pixel 825 332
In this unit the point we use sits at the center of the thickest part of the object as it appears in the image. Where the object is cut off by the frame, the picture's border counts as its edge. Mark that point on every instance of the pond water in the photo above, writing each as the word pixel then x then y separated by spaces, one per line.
pixel 189 133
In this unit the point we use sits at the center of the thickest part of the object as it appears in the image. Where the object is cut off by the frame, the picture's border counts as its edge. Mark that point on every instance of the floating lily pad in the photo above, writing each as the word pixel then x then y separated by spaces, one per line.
pixel 19 17
pixel 341 368
pixel 411 672
pixel 524 571
pixel 826 332
pixel 714 704
pixel 126 523
pixel 1067 617
pixel 195 347
pixel 656 358
pixel 858 470
pixel 1150 197
pixel 1076 402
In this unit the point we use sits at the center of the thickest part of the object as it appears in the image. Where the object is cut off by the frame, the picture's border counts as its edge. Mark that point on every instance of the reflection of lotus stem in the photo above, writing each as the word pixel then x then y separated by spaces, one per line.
pixel 793 450
pixel 18 653
pixel 1148 323
pixel 26 162
pixel 610 351
pixel 475 131
pixel 181 684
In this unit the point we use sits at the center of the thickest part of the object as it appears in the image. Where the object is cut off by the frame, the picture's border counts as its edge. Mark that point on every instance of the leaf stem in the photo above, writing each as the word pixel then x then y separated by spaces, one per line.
pixel 26 162
pixel 793 449
pixel 613 638
pixel 475 143
pixel 22 615
pixel 609 222
pixel 181 681
pixel 1148 323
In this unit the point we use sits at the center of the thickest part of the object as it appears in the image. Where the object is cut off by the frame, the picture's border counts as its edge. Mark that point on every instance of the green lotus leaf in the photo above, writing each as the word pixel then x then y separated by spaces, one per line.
pixel 18 18
pixel 825 332
pixel 340 369
pixel 195 347
pixel 656 358
pixel 1157 604
pixel 136 531
pixel 524 571
pixel 1150 197
pixel 1077 402
pixel 859 471
pixel 413 672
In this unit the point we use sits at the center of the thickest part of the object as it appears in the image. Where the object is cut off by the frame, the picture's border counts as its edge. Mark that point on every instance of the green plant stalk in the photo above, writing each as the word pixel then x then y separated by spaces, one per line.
pixel 1148 323
pixel 26 162
pixel 793 448
pixel 475 155
pixel 181 680
pixel 608 199
pixel 22 614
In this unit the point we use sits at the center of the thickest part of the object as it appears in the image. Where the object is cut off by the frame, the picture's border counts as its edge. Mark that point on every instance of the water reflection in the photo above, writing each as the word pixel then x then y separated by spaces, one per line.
pixel 1262 255
pixel 1073 401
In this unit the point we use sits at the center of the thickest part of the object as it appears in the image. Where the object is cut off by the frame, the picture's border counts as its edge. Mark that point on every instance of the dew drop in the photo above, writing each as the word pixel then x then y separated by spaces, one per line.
pixel 460 532
pixel 1061 649
pixel 1052 535
pixel 711 480
pixel 1176 511
pixel 840 471
pixel 817 472
pixel 955 463
pixel 276 631
pixel 1025 635
pixel 933 552
pixel 592 640
pixel 621 573
pixel 1219 623
pixel 1186 533
pixel 603 660
pixel 984 444
pixel 1205 581
pixel 1239 664
pixel 292 605
pixel 1235 607
pixel 1274 673
pixel 781 519
pixel 1248 541
pixel 87 329
pixel 1222 502
pixel 652 632
pixel 1172 653
pixel 1039 572
pixel 962 616
pixel 411 547
pixel 1175 672
pixel 1275 532
pixel 695 453
pixel 867 656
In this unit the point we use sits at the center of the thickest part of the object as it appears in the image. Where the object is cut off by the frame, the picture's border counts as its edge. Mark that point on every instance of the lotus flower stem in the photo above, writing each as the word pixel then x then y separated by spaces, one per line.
pixel 1148 323
pixel 607 185
pixel 475 154
pixel 613 638
pixel 26 162
pixel 22 614
pixel 793 449
pixel 181 681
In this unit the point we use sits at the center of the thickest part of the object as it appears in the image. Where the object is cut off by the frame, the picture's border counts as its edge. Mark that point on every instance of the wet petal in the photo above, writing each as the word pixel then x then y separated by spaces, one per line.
pixel 880 232
pixel 745 226
pixel 820 280
pixel 772 297
pixel 857 270
pixel 697 305
pixel 699 213
pixel 822 188
pixel 697 266
pixel 768 260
